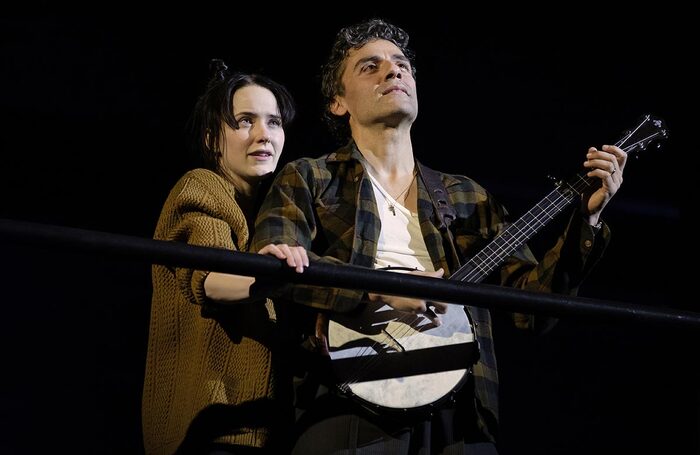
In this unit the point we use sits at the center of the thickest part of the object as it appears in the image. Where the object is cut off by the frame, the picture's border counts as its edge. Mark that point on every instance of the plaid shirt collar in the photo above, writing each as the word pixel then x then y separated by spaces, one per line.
pixel 367 225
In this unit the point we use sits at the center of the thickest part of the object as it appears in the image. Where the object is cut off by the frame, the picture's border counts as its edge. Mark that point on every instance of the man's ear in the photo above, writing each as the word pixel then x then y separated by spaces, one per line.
pixel 338 108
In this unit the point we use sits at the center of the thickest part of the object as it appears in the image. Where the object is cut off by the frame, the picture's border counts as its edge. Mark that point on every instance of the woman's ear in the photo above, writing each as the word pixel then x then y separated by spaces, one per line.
pixel 207 138
pixel 209 143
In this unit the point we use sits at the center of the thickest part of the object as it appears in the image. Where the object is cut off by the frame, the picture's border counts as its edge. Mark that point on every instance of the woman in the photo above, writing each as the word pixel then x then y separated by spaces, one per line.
pixel 212 382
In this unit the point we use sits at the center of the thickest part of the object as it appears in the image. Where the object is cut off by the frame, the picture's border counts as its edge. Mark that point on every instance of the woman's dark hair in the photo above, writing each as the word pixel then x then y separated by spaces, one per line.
pixel 354 37
pixel 215 107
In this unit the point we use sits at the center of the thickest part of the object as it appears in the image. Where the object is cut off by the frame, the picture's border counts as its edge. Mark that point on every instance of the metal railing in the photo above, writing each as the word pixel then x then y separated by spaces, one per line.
pixel 342 276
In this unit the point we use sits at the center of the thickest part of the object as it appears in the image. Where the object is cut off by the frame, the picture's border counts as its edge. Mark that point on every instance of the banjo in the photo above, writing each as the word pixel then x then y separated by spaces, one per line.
pixel 390 360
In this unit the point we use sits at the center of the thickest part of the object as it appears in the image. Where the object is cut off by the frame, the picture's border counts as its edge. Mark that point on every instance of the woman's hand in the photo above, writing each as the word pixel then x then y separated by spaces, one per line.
pixel 295 255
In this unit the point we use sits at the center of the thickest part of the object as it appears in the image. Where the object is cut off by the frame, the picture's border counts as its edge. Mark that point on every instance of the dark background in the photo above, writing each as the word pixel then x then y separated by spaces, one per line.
pixel 93 114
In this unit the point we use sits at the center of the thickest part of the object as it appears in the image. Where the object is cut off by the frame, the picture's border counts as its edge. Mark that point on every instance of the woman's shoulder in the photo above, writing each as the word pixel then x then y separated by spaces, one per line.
pixel 203 180
pixel 201 175
pixel 201 185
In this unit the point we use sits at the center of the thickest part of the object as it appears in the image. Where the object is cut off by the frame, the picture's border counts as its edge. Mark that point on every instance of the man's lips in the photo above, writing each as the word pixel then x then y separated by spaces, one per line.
pixel 395 88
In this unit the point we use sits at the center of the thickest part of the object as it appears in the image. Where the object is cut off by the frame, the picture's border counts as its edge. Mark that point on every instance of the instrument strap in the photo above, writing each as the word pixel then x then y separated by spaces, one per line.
pixel 445 211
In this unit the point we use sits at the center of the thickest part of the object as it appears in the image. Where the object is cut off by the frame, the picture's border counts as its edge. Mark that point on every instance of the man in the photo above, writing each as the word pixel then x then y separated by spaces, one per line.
pixel 369 204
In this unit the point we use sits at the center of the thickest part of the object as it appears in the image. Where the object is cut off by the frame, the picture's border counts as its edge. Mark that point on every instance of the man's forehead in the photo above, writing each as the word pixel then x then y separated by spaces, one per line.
pixel 376 47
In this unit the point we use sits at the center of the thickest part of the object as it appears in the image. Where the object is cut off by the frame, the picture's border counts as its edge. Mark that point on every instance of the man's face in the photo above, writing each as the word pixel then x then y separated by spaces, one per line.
pixel 378 87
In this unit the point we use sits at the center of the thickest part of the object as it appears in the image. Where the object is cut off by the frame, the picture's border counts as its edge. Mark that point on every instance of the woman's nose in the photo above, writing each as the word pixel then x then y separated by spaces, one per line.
pixel 263 134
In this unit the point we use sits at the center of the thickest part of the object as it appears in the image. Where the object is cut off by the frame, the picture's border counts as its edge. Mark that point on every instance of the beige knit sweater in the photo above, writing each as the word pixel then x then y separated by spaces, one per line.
pixel 198 365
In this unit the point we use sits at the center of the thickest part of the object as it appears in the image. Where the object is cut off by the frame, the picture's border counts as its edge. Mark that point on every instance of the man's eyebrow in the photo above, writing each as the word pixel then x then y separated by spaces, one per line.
pixel 362 61
pixel 401 57
pixel 375 58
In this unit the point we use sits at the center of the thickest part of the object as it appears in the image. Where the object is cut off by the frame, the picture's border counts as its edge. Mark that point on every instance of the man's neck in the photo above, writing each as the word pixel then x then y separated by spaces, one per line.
pixel 389 151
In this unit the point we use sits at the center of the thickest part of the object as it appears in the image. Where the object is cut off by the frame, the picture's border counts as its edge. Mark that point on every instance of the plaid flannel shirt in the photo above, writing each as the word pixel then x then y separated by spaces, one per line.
pixel 327 205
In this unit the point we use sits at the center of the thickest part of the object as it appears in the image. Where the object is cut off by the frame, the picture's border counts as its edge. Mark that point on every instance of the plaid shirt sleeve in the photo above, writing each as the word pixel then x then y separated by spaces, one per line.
pixel 289 215
pixel 479 220
pixel 562 268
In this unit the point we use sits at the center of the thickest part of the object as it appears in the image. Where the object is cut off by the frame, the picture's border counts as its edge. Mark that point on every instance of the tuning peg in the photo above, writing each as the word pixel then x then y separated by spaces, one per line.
pixel 556 180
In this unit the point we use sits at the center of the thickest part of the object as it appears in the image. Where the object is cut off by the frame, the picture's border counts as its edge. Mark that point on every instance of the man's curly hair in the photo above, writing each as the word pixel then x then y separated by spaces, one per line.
pixel 354 37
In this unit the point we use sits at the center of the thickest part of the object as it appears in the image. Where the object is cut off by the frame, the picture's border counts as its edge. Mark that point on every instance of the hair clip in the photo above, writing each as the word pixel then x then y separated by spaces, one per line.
pixel 217 69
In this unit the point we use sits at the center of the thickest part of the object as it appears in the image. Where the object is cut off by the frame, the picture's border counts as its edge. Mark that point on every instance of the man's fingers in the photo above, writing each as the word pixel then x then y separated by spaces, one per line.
pixel 438 307
pixel 431 314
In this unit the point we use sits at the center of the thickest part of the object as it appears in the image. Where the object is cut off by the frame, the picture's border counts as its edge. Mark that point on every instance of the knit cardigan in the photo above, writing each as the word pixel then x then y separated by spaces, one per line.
pixel 204 369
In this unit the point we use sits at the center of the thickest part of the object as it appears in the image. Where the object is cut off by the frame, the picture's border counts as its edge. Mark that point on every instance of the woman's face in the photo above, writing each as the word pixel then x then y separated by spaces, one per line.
pixel 253 149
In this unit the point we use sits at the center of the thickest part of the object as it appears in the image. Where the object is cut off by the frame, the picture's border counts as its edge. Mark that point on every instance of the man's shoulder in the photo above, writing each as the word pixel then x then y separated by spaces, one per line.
pixel 306 164
pixel 343 154
pixel 307 161
pixel 309 166
pixel 459 182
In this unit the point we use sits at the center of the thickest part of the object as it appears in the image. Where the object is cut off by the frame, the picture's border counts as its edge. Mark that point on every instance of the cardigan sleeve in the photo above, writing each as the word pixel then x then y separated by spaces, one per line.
pixel 202 211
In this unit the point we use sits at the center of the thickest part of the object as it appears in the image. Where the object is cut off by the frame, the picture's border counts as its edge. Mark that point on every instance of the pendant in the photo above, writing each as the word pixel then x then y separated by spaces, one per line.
pixel 392 209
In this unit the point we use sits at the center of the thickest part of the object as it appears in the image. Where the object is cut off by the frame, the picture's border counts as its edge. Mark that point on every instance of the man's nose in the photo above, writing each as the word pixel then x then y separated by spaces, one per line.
pixel 394 71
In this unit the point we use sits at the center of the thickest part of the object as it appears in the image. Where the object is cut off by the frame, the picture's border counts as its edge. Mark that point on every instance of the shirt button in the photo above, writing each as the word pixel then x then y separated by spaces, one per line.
pixel 587 243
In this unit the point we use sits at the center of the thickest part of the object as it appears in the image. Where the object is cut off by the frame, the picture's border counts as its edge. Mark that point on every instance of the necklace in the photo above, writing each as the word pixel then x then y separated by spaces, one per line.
pixel 392 208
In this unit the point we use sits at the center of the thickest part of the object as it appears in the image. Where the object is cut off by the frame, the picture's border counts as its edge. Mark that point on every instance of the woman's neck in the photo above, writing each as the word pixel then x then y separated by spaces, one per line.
pixel 246 194
pixel 247 202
